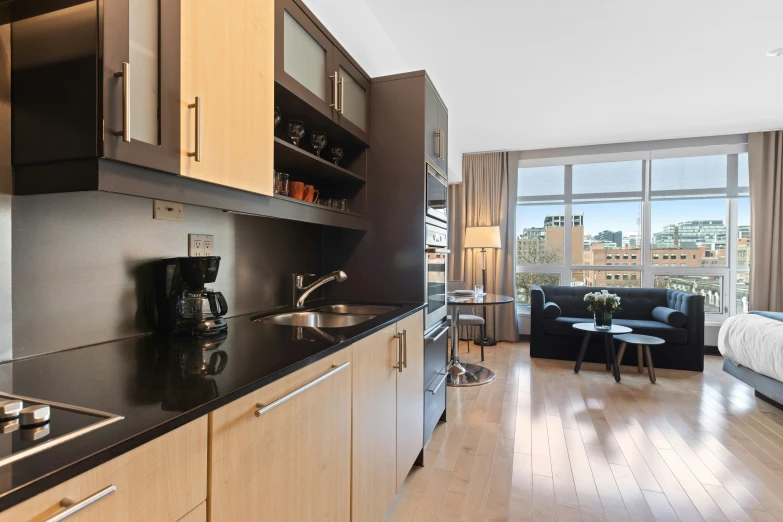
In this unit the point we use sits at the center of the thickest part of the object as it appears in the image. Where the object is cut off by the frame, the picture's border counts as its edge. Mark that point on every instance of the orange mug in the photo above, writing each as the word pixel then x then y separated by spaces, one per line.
pixel 311 194
pixel 296 189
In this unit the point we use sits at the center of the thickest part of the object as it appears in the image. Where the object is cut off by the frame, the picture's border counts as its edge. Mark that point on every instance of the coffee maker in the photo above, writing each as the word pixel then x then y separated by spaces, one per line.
pixel 183 303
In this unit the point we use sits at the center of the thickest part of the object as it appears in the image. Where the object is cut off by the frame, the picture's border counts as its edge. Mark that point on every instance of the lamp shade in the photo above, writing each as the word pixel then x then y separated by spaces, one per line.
pixel 482 237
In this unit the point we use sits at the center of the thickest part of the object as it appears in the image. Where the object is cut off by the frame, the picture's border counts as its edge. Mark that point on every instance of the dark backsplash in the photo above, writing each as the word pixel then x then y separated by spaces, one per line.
pixel 82 264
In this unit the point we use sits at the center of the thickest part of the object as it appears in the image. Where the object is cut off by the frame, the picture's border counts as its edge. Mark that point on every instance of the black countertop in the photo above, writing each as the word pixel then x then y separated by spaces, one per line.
pixel 142 379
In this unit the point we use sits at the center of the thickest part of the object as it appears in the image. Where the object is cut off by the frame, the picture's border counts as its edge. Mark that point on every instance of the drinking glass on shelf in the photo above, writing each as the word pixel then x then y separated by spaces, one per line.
pixel 281 183
pixel 318 141
pixel 296 131
pixel 337 154
pixel 478 290
pixel 277 116
pixel 342 204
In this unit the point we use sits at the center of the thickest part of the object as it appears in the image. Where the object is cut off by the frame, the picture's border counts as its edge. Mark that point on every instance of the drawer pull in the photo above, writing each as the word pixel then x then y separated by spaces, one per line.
pixel 435 390
pixel 263 409
pixel 73 508
pixel 126 108
pixel 440 334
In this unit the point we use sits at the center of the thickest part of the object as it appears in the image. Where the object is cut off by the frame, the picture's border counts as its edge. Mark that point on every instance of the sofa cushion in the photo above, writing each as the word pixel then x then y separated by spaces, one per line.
pixel 670 334
pixel 551 310
pixel 669 316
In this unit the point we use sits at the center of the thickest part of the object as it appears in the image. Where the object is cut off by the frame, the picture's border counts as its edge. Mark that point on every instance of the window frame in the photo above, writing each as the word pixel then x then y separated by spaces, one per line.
pixel 646 267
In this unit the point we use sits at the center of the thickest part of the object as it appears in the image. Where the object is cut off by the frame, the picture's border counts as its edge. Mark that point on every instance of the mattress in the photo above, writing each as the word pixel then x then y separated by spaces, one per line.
pixel 753 341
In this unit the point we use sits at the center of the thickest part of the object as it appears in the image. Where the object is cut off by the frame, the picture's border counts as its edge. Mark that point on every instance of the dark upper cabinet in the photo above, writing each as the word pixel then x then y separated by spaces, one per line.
pixel 98 80
pixel 309 64
pixel 436 124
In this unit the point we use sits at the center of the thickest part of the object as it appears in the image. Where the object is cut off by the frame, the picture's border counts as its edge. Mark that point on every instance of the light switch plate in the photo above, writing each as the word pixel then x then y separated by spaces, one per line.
pixel 166 210
pixel 200 245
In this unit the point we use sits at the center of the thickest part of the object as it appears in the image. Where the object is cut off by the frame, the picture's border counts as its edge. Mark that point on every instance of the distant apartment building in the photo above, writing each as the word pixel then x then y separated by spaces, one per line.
pixel 698 232
pixel 546 245
pixel 608 236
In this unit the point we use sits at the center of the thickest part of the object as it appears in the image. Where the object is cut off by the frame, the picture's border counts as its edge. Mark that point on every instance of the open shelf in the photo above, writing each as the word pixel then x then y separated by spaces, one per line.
pixel 308 167
pixel 319 206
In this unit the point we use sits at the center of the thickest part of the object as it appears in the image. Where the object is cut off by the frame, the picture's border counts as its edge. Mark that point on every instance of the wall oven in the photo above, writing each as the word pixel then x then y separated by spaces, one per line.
pixel 437 195
pixel 436 253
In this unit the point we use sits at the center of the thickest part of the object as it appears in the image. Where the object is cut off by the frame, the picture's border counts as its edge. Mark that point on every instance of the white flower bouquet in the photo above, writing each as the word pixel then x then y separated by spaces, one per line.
pixel 602 302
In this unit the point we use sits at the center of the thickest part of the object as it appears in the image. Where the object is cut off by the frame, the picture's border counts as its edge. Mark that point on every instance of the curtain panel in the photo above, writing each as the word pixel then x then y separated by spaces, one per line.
pixel 765 160
pixel 486 197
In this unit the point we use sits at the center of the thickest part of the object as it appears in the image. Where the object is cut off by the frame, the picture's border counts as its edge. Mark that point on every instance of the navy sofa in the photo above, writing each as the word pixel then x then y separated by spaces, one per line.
pixel 555 338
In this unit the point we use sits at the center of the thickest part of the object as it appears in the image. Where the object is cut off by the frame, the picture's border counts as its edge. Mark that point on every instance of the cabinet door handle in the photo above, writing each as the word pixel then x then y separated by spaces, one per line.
pixel 335 91
pixel 438 143
pixel 442 139
pixel 73 508
pixel 197 107
pixel 126 123
pixel 405 348
pixel 436 388
pixel 398 366
pixel 341 110
pixel 285 398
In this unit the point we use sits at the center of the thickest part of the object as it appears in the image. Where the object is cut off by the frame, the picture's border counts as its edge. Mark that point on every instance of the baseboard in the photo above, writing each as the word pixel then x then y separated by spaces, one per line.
pixel 711 350
pixel 524 338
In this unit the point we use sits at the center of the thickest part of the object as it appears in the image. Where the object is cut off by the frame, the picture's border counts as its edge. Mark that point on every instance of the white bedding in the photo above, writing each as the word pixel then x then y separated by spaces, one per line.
pixel 755 342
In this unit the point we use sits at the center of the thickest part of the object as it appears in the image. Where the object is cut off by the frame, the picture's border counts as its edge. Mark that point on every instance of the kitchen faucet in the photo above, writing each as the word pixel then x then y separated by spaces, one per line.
pixel 299 298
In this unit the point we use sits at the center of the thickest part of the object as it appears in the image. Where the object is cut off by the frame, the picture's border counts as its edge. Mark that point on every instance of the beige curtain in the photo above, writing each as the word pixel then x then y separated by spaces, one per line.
pixel 765 158
pixel 486 197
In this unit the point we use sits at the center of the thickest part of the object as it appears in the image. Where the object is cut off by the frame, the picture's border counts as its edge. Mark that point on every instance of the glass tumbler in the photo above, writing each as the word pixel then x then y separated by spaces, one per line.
pixel 281 183
pixel 478 290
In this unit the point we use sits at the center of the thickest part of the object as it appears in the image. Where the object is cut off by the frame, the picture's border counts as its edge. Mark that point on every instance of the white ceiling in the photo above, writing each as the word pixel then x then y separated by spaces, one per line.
pixel 531 74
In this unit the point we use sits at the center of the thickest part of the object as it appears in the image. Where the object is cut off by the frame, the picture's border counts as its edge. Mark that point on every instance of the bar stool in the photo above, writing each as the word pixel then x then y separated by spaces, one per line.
pixel 643 343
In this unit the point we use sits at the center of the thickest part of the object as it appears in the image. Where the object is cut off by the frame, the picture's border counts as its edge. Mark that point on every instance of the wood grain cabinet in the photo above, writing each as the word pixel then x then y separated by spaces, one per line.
pixel 226 105
pixel 163 480
pixel 312 66
pixel 388 414
pixel 283 453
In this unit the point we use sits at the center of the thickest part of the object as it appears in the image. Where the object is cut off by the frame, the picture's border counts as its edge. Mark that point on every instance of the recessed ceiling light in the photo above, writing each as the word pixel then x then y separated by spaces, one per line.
pixel 775 52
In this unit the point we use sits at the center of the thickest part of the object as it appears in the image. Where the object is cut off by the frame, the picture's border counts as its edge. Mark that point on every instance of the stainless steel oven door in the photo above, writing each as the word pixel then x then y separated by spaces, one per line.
pixel 437 195
pixel 437 263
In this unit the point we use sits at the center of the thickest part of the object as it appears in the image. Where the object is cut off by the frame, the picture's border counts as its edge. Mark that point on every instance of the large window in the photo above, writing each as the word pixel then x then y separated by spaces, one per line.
pixel 671 219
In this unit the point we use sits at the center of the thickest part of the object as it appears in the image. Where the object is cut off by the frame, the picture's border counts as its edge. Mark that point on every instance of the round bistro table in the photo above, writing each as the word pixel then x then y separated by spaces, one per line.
pixel 466 374
pixel 608 335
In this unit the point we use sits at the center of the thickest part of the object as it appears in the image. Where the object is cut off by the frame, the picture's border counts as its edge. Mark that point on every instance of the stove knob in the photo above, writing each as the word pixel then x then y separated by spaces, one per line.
pixel 10 409
pixel 33 415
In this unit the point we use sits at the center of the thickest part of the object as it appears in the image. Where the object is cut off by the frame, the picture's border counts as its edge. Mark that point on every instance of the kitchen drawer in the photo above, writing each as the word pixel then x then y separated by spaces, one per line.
pixel 164 480
pixel 434 403
pixel 284 452
pixel 436 352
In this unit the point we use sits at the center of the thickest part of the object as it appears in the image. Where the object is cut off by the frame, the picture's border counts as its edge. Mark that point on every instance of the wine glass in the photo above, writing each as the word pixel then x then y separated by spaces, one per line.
pixel 296 131
pixel 318 140
pixel 337 154
pixel 277 116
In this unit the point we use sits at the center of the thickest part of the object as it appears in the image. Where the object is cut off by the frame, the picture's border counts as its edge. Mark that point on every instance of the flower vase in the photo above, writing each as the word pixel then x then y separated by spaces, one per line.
pixel 602 320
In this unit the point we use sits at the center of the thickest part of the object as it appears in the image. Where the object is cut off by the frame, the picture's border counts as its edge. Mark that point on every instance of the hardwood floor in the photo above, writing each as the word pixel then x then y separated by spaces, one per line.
pixel 542 443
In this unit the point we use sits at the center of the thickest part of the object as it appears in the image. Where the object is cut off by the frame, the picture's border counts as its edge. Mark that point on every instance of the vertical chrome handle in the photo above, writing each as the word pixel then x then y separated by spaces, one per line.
pixel 341 110
pixel 125 75
pixel 437 136
pixel 405 348
pixel 335 91
pixel 73 508
pixel 442 144
pixel 398 366
pixel 197 106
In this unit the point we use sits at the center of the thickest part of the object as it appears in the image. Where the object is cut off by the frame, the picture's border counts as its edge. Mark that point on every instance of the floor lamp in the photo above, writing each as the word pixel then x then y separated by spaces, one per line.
pixel 483 238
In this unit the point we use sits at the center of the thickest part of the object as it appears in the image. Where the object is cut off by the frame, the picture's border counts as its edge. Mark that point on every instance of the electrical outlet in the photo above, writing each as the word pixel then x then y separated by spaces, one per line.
pixel 200 245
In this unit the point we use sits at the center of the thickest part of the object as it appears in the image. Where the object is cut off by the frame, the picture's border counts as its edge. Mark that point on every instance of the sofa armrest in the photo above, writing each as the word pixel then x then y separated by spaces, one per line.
pixel 537 301
pixel 691 305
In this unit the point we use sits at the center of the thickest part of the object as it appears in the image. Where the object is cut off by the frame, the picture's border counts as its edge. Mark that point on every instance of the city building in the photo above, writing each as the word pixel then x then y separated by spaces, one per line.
pixel 700 232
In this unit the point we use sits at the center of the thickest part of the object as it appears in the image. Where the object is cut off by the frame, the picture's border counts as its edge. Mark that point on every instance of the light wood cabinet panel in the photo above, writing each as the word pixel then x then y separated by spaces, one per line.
pixel 161 481
pixel 228 63
pixel 410 396
pixel 197 515
pixel 374 425
pixel 293 462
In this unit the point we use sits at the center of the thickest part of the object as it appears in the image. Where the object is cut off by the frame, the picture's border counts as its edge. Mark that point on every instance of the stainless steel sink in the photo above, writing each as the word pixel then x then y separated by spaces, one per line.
pixel 317 319
pixel 357 309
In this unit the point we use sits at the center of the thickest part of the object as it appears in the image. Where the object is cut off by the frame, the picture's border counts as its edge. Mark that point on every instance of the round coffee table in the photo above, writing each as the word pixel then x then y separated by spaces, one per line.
pixel 642 342
pixel 608 334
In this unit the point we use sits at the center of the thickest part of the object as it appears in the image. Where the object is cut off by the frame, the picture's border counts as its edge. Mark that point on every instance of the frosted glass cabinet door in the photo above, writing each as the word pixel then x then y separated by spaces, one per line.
pixel 141 62
pixel 303 57
pixel 354 100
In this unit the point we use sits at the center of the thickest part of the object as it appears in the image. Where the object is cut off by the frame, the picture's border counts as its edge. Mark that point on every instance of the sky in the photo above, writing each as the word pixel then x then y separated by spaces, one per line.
pixel 677 173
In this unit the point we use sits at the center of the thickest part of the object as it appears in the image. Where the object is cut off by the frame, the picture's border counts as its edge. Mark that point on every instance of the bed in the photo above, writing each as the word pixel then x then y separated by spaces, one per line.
pixel 752 347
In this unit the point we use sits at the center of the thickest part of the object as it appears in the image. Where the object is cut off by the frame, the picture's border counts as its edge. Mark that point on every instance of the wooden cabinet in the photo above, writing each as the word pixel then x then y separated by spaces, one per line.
pixel 436 123
pixel 388 414
pixel 284 451
pixel 197 515
pixel 227 93
pixel 312 66
pixel 164 480
pixel 410 395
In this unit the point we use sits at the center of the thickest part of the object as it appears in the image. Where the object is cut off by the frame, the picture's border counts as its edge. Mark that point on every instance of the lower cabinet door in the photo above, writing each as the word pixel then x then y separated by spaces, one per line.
pixel 283 453
pixel 410 395
pixel 374 425
pixel 197 515
pixel 163 480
